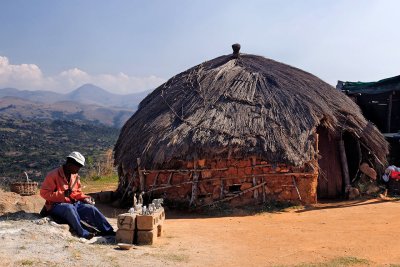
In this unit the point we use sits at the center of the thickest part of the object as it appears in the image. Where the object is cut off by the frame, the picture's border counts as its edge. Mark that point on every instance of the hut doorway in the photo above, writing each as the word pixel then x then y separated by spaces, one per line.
pixel 353 154
pixel 330 182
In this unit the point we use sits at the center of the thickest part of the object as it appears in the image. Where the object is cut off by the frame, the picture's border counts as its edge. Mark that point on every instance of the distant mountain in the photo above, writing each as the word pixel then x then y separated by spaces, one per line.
pixel 86 94
pixel 40 96
pixel 19 108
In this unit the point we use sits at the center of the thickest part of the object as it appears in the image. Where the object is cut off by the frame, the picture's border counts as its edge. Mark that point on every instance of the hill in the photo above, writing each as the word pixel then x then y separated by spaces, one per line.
pixel 12 107
pixel 38 146
pixel 86 94
pixel 39 128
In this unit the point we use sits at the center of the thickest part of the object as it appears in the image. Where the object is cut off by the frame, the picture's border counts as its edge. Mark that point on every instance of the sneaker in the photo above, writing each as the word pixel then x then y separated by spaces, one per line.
pixel 90 236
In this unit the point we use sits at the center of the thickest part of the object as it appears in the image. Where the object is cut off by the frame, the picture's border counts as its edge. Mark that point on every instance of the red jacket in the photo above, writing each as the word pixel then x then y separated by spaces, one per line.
pixel 54 186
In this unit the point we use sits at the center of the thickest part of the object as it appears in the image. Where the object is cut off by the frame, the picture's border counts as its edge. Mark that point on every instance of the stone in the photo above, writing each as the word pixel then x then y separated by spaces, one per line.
pixel 372 189
pixel 149 222
pixel 248 170
pixel 201 163
pixel 126 221
pixel 245 186
pixel 232 171
pixel 216 192
pixel 354 193
pixel 124 236
pixel 206 174
pixel 190 165
pixel 147 237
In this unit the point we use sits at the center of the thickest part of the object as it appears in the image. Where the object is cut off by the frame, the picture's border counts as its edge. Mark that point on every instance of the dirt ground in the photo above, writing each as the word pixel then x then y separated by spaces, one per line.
pixel 357 233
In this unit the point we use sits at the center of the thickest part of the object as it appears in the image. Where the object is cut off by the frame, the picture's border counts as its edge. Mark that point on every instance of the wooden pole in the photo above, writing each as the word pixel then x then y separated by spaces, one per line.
pixel 170 178
pixel 194 184
pixel 297 189
pixel 389 113
pixel 276 176
pixel 141 176
pixel 253 164
pixel 221 196
pixel 345 167
pixel 263 191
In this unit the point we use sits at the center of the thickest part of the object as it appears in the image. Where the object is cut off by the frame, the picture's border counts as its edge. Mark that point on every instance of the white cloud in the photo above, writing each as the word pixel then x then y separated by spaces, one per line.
pixel 30 77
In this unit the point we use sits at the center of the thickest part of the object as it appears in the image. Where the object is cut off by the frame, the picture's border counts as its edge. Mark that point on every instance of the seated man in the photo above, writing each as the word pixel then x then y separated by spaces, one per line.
pixel 65 200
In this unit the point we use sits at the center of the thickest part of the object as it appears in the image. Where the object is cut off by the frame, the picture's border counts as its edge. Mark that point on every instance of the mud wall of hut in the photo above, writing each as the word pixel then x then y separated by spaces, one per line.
pixel 208 181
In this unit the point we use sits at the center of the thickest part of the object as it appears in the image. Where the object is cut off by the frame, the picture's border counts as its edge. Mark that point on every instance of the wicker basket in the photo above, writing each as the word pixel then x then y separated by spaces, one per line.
pixel 24 188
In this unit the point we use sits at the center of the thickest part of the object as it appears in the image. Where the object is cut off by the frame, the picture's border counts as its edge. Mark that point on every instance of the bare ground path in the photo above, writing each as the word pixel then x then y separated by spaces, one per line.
pixel 363 233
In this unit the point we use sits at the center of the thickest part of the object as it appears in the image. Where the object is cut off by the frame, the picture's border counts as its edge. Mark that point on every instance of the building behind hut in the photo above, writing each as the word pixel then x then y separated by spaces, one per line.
pixel 241 129
pixel 380 103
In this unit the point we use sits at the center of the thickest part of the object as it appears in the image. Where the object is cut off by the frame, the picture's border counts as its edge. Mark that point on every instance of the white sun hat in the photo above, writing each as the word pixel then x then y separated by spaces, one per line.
pixel 77 157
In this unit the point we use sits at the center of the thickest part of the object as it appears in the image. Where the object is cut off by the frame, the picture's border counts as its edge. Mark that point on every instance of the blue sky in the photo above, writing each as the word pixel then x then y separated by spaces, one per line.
pixel 131 46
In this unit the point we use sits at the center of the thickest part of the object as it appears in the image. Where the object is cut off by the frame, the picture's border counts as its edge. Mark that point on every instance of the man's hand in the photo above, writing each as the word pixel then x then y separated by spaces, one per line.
pixel 89 200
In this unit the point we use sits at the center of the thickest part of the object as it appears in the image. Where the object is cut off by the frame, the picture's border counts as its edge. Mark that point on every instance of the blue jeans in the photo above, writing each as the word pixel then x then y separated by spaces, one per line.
pixel 73 213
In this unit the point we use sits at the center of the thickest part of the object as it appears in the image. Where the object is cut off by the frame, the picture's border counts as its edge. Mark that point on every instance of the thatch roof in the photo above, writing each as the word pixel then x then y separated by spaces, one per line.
pixel 240 106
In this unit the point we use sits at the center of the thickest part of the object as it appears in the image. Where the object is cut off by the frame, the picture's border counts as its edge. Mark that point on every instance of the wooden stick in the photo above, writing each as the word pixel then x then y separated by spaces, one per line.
pixel 127 188
pixel 146 172
pixel 221 195
pixel 232 197
pixel 155 180
pixel 200 170
pixel 253 163
pixel 266 175
pixel 345 167
pixel 170 178
pixel 263 191
pixel 141 176
pixel 297 189
pixel 194 184
pixel 167 186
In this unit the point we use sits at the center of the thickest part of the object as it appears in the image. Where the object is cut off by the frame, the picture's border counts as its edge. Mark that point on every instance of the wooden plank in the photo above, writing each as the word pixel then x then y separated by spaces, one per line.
pixel 330 177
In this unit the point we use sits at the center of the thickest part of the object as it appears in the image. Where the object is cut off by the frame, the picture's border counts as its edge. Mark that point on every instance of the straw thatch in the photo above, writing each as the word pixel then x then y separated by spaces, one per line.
pixel 236 107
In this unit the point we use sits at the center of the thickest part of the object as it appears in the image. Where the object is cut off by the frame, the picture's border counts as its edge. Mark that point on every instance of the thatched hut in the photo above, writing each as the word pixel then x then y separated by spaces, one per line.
pixel 243 128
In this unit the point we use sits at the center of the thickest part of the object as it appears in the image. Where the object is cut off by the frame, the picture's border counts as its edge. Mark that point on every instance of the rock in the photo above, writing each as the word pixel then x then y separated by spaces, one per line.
pixel 372 189
pixel 353 193
pixel 366 169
